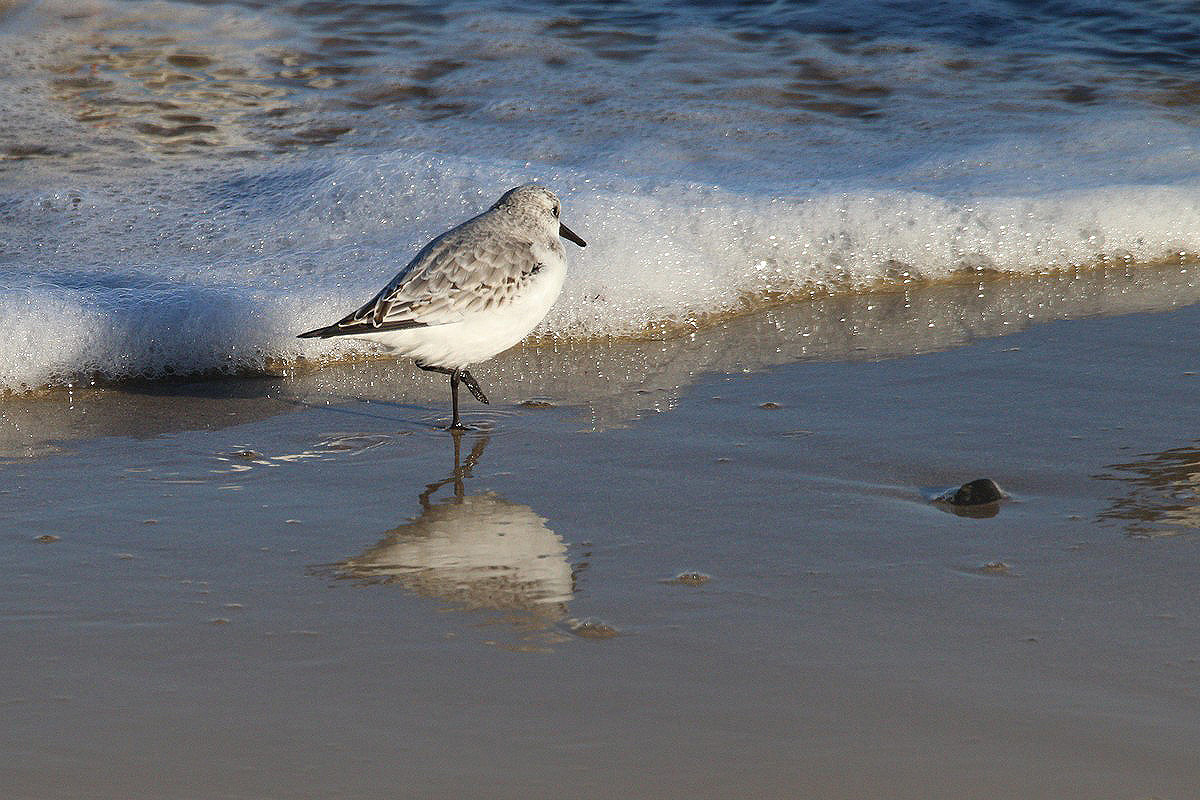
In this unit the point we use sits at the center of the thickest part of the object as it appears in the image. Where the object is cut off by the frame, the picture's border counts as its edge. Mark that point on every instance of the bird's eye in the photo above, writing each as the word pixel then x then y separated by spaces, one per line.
pixel 555 211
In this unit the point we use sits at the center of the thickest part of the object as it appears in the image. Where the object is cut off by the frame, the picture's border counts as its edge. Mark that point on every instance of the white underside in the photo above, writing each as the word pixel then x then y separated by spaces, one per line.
pixel 482 334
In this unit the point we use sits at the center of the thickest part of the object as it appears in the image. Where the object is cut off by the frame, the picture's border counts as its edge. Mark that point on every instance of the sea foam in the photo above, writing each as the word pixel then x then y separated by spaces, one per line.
pixel 217 270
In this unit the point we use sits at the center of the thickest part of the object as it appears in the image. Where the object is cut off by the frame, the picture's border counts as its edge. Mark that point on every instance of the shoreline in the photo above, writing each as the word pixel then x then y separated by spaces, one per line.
pixel 616 381
pixel 884 320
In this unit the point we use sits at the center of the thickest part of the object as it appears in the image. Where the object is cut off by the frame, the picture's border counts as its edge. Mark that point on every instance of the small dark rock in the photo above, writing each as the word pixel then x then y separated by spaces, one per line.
pixel 976 493
pixel 592 629
pixel 690 579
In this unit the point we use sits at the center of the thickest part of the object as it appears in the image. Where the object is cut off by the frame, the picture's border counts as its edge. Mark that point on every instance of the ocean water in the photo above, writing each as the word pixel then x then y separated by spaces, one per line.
pixel 184 186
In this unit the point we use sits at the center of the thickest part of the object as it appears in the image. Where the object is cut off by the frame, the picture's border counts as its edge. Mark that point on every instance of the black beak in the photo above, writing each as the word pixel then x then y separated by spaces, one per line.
pixel 567 233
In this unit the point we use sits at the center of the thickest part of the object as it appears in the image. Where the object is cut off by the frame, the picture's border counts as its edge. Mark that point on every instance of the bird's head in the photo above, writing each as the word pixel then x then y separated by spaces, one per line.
pixel 538 202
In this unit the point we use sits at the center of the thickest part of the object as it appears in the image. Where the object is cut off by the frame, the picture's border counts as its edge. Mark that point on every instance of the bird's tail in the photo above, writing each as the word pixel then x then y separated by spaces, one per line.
pixel 359 328
pixel 321 333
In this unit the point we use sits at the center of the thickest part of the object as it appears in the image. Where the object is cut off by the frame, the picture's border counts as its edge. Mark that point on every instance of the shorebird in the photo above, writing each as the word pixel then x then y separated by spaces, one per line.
pixel 472 292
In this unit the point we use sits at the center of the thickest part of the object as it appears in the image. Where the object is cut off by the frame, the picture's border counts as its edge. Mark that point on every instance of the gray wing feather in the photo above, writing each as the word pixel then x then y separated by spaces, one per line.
pixel 467 269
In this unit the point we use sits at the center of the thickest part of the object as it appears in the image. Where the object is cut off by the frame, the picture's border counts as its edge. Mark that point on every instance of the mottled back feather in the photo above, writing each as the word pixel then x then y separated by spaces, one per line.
pixel 478 265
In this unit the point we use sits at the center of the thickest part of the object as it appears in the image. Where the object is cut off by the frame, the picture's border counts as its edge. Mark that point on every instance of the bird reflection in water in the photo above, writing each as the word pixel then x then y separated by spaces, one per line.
pixel 1162 495
pixel 479 552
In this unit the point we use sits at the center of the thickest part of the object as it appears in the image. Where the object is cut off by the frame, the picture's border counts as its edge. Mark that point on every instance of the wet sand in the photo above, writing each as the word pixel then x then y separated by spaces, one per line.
pixel 284 587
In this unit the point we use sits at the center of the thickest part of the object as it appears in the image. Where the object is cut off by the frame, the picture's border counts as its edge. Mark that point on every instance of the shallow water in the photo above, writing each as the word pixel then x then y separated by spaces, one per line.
pixel 294 596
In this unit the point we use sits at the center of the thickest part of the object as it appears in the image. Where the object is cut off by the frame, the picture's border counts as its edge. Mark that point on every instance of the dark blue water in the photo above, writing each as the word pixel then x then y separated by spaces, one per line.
pixel 744 94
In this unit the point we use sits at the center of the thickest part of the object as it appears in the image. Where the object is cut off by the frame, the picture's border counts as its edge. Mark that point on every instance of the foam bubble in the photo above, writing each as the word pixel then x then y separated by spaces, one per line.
pixel 217 271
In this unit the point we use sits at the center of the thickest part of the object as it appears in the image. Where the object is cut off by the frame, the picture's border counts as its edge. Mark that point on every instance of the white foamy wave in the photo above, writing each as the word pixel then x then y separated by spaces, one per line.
pixel 217 271
pixel 672 252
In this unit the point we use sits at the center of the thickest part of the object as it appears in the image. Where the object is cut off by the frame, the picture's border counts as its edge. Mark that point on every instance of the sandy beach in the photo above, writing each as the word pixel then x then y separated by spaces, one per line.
pixel 842 258
pixel 266 588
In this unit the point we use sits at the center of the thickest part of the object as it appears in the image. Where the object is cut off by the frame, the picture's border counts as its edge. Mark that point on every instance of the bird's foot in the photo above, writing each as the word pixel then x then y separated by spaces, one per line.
pixel 469 381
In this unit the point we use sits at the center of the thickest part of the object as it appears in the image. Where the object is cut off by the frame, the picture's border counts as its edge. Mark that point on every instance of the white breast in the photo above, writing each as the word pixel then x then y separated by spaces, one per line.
pixel 482 334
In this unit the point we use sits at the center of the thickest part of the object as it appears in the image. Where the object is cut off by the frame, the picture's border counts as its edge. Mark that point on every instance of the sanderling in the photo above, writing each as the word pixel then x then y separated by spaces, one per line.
pixel 472 292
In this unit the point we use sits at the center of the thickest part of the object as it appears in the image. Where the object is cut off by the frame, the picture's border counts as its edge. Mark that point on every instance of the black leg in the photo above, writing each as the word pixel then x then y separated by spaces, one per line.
pixel 457 375
pixel 455 423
